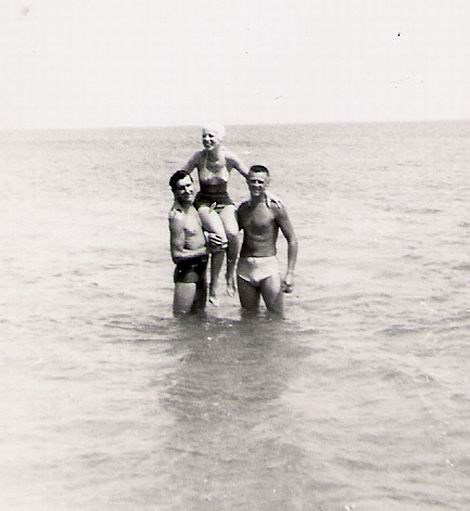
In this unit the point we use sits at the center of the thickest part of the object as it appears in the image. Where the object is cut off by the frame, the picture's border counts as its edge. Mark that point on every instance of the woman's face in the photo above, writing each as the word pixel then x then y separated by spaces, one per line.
pixel 210 138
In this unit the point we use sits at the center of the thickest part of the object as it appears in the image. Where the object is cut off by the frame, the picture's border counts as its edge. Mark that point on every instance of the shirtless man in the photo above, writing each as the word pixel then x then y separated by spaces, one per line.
pixel 190 247
pixel 258 269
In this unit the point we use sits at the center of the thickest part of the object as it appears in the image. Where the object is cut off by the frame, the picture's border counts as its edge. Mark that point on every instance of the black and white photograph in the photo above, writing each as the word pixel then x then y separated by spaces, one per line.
pixel 236 255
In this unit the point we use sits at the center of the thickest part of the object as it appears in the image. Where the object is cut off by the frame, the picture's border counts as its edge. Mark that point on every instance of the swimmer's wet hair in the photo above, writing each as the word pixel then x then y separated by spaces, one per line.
pixel 178 176
pixel 259 168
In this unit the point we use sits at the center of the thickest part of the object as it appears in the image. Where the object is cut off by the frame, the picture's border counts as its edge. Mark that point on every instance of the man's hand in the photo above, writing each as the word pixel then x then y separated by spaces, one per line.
pixel 287 284
pixel 215 243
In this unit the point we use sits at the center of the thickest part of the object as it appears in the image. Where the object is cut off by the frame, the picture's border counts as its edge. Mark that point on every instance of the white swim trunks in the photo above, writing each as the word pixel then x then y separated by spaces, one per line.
pixel 256 269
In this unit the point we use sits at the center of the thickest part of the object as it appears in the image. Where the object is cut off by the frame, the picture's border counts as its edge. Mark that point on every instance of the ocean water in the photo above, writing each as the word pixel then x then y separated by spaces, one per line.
pixel 359 400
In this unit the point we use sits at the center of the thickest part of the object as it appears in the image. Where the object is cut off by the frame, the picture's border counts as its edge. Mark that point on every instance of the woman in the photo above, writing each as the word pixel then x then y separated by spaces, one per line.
pixel 216 209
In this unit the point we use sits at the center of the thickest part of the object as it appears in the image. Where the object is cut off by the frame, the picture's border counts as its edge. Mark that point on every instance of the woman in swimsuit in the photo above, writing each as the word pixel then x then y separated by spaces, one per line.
pixel 217 211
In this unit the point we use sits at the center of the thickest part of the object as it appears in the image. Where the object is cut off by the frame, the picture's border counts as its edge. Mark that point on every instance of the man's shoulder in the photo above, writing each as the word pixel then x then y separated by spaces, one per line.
pixel 241 212
pixel 243 205
pixel 176 213
pixel 271 204
pixel 274 204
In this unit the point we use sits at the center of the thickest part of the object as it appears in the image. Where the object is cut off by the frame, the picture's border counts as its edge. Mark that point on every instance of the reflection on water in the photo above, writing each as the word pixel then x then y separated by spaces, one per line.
pixel 225 398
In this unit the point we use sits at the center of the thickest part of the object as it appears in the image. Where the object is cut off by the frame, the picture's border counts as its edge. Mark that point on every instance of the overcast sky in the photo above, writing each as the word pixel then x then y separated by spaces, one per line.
pixel 87 63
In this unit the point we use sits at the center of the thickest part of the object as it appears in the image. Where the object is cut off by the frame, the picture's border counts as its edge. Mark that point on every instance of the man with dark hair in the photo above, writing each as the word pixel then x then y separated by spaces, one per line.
pixel 258 268
pixel 190 247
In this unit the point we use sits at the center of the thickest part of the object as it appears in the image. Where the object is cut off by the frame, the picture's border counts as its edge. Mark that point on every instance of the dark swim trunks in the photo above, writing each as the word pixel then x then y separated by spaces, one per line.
pixel 213 193
pixel 191 271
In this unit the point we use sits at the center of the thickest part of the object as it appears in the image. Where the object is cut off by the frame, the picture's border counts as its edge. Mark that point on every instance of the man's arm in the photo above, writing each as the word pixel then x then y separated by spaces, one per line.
pixel 288 231
pixel 178 240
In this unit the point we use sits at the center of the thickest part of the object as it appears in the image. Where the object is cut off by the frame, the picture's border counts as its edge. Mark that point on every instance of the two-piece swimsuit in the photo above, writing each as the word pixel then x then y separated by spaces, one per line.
pixel 215 191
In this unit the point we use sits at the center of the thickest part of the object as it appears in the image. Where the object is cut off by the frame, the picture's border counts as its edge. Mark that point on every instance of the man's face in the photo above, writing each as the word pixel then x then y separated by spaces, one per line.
pixel 257 183
pixel 210 138
pixel 184 191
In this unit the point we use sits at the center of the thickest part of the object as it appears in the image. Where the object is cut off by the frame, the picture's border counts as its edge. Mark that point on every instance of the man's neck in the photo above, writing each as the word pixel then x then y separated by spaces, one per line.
pixel 258 199
pixel 184 206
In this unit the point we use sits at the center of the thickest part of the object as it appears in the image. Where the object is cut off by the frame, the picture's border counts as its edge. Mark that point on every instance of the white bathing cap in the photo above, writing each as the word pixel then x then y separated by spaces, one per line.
pixel 216 127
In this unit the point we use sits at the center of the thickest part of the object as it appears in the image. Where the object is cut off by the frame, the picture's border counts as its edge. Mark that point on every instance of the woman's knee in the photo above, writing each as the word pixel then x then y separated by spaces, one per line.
pixel 231 227
pixel 229 218
pixel 232 236
pixel 211 222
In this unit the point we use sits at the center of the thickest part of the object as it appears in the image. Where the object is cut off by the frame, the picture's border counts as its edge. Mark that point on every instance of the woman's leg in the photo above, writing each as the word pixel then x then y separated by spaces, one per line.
pixel 231 228
pixel 211 222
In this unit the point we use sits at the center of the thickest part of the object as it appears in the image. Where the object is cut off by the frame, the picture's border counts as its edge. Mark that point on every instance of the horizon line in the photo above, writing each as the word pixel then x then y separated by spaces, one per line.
pixel 237 124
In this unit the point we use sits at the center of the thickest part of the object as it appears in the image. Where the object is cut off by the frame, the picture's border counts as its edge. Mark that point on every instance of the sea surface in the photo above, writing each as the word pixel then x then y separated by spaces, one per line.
pixel 359 400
